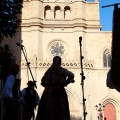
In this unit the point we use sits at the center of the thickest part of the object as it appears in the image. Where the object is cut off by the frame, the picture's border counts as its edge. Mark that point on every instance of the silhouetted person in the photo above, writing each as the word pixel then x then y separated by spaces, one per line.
pixel 31 100
pixel 10 93
pixel 54 101
pixel 110 83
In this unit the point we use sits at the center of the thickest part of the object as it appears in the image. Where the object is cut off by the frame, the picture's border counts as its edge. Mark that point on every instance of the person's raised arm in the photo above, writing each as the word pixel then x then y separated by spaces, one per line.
pixel 69 77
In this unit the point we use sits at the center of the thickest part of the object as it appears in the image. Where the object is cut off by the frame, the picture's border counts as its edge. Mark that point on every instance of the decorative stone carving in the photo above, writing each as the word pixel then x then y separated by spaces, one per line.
pixel 66 63
pixel 58 48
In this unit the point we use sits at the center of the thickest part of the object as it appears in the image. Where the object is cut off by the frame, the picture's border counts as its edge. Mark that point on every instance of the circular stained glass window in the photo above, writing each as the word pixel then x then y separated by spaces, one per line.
pixel 58 48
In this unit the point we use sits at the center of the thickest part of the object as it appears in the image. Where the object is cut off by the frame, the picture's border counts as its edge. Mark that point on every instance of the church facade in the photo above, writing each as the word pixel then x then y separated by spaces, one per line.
pixel 53 27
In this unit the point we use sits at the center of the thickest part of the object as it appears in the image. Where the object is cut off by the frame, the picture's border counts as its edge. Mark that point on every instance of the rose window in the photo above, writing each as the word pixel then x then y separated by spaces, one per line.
pixel 57 49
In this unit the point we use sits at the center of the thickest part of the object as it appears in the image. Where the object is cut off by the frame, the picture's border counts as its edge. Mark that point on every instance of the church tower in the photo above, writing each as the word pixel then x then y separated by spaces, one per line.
pixel 56 24
pixel 53 27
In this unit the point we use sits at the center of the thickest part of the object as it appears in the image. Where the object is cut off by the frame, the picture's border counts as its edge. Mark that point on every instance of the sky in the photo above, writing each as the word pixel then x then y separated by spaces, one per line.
pixel 106 14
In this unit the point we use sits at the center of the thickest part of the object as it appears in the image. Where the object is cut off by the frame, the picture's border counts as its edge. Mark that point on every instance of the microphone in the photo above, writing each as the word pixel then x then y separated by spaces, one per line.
pixel 18 44
pixel 80 39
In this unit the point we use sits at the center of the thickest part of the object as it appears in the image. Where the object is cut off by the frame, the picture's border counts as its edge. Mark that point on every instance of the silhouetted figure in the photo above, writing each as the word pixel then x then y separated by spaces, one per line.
pixel 31 100
pixel 110 83
pixel 10 93
pixel 54 101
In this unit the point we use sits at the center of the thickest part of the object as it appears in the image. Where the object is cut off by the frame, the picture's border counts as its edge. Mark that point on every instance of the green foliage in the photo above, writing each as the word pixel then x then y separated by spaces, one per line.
pixel 9 9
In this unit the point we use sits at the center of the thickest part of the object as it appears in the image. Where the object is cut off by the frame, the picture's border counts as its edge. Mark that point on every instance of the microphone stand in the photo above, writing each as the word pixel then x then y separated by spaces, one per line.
pixel 82 78
pixel 28 65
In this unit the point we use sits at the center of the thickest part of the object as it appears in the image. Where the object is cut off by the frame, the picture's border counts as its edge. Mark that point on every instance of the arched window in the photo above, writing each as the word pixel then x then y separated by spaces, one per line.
pixel 106 58
pixel 57 12
pixel 67 12
pixel 47 12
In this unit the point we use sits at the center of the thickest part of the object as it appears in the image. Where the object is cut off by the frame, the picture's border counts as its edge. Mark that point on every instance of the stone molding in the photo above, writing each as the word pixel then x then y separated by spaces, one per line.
pixel 67 64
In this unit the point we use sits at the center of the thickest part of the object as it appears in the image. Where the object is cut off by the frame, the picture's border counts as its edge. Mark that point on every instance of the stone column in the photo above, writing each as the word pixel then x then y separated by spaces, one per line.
pixel 62 13
pixel 52 13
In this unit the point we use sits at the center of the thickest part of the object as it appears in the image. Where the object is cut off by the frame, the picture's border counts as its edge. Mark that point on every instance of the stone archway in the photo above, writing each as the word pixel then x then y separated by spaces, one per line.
pixel 109 112
pixel 74 104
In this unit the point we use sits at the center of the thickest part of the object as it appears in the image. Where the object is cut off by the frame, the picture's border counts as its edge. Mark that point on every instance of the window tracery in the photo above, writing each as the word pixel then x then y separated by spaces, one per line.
pixel 106 58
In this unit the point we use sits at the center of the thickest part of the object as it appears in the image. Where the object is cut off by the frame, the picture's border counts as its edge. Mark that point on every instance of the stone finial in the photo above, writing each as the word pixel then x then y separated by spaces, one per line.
pixel 96 0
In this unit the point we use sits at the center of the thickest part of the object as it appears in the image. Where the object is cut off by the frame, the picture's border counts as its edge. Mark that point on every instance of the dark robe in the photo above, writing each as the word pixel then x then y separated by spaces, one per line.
pixel 54 101
pixel 30 103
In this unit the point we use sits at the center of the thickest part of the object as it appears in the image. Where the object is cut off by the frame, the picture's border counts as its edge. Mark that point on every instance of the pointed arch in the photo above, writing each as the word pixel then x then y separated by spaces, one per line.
pixel 110 112
pixel 112 107
pixel 111 102
pixel 106 58
pixel 74 102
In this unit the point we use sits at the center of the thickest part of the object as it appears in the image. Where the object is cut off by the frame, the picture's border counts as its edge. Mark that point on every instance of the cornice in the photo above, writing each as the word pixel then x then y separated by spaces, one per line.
pixel 73 64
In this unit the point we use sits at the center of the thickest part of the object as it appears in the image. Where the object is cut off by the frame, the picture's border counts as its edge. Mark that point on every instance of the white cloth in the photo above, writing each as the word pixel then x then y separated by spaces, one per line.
pixel 7 89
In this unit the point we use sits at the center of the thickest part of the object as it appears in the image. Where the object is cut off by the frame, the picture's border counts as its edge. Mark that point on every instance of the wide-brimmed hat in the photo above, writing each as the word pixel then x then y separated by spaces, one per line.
pixel 31 83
